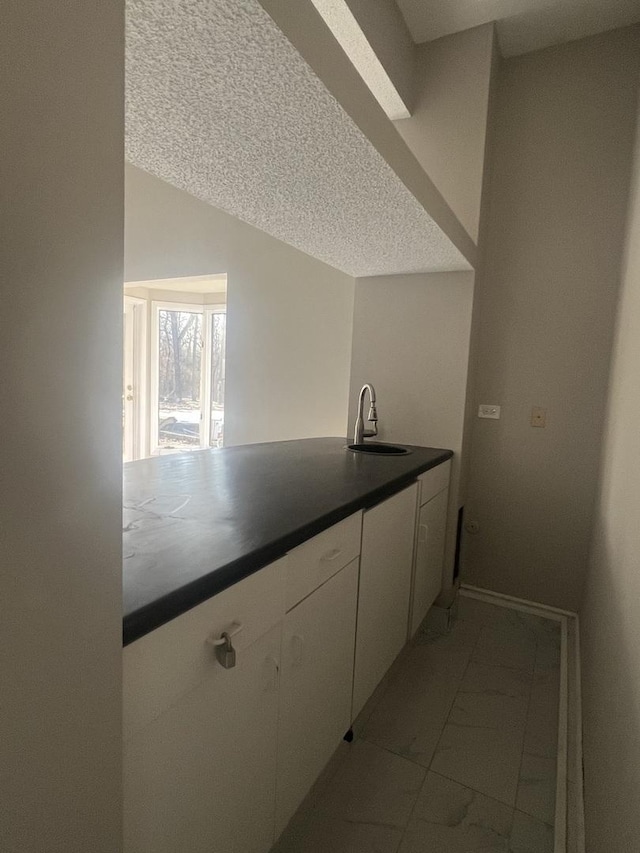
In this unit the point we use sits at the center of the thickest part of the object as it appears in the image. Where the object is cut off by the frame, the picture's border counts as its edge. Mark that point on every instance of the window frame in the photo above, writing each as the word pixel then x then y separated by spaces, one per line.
pixel 135 341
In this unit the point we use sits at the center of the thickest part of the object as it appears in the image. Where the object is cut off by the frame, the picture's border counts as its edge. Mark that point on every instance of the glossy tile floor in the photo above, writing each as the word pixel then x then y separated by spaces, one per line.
pixel 456 754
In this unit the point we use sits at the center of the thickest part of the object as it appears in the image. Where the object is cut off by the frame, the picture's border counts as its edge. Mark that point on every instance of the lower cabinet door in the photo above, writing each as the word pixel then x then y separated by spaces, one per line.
pixel 201 777
pixel 317 677
pixel 386 563
pixel 432 524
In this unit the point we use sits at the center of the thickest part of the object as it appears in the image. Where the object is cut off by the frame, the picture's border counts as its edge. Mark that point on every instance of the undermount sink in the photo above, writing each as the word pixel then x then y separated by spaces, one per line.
pixel 378 447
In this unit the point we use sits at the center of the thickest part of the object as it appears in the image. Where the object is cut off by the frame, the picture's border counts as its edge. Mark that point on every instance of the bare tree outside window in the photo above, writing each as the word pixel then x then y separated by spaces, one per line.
pixel 179 365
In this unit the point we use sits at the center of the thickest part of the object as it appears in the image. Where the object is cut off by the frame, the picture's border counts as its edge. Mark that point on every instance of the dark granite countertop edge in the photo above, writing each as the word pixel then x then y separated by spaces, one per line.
pixel 164 609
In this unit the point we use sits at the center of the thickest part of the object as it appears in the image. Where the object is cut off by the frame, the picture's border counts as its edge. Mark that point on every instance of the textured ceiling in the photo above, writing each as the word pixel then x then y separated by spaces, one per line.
pixel 221 105
pixel 523 25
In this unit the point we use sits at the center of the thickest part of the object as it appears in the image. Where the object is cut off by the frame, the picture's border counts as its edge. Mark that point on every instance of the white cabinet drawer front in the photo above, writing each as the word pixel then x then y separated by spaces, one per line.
pixel 163 665
pixel 201 777
pixel 312 563
pixel 434 481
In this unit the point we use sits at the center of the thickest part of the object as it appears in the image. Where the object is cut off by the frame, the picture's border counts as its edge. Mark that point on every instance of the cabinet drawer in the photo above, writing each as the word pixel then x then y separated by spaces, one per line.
pixel 434 481
pixel 165 664
pixel 312 563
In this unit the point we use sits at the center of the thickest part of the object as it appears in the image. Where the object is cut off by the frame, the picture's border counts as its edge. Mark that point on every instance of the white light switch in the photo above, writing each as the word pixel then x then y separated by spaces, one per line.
pixel 487 411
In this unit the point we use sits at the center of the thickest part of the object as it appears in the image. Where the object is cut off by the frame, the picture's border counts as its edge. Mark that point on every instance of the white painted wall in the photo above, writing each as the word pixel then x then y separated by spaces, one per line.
pixel 289 316
pixel 411 341
pixel 480 270
pixel 61 221
pixel 448 126
pixel 561 157
pixel 610 620
pixel 385 30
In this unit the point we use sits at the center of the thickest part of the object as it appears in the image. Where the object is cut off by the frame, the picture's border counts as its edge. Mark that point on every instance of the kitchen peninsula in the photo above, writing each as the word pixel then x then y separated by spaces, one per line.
pixel 268 589
pixel 196 523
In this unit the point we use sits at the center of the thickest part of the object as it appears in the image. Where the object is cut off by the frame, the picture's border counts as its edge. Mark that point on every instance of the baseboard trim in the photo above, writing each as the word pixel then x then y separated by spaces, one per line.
pixel 564 617
pixel 581 843
pixel 560 823
pixel 549 611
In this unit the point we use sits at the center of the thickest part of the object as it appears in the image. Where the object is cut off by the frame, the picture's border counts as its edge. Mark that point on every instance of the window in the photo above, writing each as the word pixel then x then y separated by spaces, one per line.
pixel 173 391
pixel 188 367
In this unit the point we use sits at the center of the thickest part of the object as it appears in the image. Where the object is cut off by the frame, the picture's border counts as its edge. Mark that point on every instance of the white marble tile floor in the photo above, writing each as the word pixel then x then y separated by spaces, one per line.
pixel 458 753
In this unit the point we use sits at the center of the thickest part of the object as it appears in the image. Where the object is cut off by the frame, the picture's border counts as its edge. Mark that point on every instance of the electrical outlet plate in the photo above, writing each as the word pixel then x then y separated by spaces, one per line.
pixel 538 417
pixel 487 410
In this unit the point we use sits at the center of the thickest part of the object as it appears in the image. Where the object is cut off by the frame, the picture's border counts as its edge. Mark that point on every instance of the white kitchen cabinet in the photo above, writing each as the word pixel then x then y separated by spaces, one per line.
pixel 316 686
pixel 385 585
pixel 200 740
pixel 316 560
pixel 434 481
pixel 201 777
pixel 433 499
pixel 217 760
pixel 432 525
pixel 165 664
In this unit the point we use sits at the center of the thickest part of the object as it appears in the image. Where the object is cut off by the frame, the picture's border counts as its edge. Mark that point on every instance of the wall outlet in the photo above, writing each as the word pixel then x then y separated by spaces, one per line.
pixel 538 417
pixel 487 411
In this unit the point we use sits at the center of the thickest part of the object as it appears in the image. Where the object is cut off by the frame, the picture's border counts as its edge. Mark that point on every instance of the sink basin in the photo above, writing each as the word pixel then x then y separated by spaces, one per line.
pixel 378 447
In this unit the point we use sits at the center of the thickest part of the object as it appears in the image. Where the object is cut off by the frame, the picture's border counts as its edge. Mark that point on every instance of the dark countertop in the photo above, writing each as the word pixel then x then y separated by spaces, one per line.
pixel 196 523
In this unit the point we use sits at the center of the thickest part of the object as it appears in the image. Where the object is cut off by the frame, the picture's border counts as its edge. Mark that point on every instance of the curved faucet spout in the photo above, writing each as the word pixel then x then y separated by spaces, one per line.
pixel 359 432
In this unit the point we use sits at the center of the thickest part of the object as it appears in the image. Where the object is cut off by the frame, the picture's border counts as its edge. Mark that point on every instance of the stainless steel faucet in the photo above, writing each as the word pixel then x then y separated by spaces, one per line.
pixel 360 432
